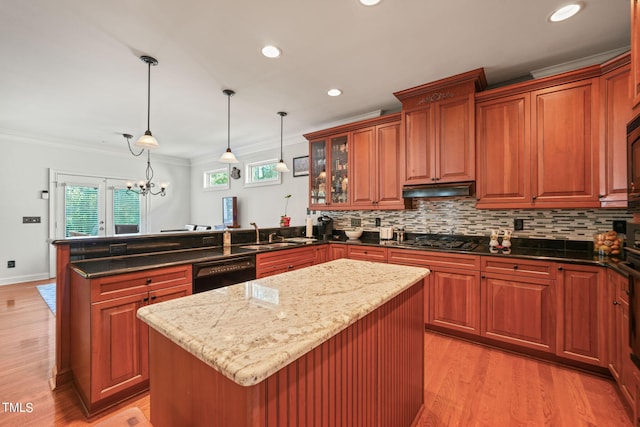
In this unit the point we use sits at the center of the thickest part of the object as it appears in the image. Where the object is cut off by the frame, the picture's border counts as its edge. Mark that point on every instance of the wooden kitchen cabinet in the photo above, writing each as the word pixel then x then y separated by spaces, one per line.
pixel 619 362
pixel 337 251
pixel 635 55
pixel 504 152
pixel 270 263
pixel 582 308
pixel 355 166
pixel 438 129
pixel 518 302
pixel 376 178
pixel 616 104
pixel 452 300
pixel 109 345
pixel 367 253
pixel 540 141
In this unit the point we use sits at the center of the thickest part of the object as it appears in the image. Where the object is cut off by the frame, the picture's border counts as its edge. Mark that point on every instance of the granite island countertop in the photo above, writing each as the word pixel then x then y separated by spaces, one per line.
pixel 251 330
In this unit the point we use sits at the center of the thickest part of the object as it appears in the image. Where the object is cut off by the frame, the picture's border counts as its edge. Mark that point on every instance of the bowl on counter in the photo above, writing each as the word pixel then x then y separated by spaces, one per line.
pixel 353 234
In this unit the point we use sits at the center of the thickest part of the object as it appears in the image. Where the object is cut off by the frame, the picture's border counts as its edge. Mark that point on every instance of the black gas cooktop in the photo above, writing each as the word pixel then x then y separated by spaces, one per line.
pixel 463 243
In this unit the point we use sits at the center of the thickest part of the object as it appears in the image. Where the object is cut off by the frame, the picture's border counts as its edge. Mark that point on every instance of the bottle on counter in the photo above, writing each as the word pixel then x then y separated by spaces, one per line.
pixel 226 238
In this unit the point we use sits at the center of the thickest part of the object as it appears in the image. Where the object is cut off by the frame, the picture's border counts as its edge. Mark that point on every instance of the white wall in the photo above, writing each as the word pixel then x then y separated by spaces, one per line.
pixel 262 205
pixel 24 173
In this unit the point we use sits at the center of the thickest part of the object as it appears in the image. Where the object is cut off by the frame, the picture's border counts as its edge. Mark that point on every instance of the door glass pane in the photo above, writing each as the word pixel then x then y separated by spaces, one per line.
pixel 81 211
pixel 126 211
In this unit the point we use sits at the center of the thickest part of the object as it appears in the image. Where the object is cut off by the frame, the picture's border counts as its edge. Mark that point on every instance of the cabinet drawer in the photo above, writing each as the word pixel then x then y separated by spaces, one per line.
pixel 367 253
pixel 520 267
pixel 433 259
pixel 281 261
pixel 120 285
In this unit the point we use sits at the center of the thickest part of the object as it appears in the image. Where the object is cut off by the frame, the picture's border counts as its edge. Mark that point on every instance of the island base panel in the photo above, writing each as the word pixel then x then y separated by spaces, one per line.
pixel 371 373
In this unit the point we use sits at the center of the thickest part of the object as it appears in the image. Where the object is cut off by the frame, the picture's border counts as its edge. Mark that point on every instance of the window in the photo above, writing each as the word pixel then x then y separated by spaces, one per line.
pixel 81 210
pixel 261 173
pixel 126 210
pixel 217 179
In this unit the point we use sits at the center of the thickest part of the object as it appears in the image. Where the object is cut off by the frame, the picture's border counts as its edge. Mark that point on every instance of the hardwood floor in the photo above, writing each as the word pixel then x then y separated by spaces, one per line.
pixel 466 384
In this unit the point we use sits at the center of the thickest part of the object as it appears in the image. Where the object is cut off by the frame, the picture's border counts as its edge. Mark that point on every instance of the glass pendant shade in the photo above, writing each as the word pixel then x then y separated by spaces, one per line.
pixel 147 141
pixel 228 157
pixel 282 166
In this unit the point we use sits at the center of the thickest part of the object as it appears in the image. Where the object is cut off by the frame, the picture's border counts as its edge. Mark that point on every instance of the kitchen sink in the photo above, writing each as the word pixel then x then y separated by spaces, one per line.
pixel 264 246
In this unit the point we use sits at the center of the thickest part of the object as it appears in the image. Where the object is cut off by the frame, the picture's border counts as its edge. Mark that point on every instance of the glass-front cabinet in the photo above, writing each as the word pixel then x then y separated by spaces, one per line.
pixel 329 180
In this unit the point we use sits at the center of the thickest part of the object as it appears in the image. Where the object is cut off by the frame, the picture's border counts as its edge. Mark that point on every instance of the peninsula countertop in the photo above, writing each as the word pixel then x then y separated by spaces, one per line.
pixel 251 330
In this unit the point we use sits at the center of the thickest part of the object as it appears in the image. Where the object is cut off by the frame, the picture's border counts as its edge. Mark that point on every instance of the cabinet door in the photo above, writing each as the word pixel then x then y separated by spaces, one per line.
pixel 519 310
pixel 613 327
pixel 364 168
pixel 120 346
pixel 318 194
pixel 455 149
pixel 581 315
pixel 321 254
pixel 338 170
pixel 565 154
pixel 419 146
pixel 389 170
pixel 170 293
pixel 454 298
pixel 617 113
pixel 504 153
pixel 337 251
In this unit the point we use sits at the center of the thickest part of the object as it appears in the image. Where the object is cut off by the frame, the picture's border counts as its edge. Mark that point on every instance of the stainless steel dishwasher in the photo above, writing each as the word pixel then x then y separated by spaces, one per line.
pixel 224 272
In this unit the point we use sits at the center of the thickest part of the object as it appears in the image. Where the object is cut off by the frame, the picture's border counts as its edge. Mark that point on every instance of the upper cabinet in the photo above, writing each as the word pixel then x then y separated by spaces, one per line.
pixel 354 166
pixel 437 131
pixel 555 142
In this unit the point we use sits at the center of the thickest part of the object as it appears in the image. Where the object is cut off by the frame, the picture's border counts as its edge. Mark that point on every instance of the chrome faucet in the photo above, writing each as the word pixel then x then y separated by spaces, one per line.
pixel 257 232
pixel 271 236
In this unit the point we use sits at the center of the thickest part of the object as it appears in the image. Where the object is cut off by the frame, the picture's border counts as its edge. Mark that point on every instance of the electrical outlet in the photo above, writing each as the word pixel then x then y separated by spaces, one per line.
pixel 518 224
pixel 356 222
pixel 31 220
pixel 11 264
pixel 378 222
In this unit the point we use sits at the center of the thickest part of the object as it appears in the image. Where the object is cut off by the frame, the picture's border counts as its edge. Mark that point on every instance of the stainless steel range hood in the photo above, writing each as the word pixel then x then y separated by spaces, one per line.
pixel 454 189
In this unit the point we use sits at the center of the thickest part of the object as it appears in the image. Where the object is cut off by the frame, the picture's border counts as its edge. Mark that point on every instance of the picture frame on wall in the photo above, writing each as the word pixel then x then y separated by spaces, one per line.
pixel 301 166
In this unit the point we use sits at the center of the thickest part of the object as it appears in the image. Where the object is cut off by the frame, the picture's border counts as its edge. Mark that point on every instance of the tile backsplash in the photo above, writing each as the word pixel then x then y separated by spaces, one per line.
pixel 460 216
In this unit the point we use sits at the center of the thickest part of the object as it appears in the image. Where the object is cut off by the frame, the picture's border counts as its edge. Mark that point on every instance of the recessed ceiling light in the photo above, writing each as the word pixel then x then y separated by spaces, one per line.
pixel 334 92
pixel 271 51
pixel 369 2
pixel 565 12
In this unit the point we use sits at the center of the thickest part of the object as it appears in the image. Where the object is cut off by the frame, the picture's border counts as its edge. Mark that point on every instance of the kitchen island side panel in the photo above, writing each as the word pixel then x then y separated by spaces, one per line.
pixel 371 373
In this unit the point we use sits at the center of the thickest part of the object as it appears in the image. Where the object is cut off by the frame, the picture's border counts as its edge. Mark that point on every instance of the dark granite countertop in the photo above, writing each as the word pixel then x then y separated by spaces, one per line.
pixel 555 251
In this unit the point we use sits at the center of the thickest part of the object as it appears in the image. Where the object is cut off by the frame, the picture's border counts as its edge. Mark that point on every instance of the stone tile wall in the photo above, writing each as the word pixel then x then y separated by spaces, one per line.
pixel 461 216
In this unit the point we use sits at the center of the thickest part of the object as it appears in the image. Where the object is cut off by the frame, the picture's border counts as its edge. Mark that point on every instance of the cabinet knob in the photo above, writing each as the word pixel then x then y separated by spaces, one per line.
pixel 146 299
pixel 534 197
pixel 478 199
pixel 433 179
pixel 153 298
pixel 290 267
pixel 149 280
pixel 616 303
pixel 483 277
pixel 515 267
pixel 560 268
pixel 627 292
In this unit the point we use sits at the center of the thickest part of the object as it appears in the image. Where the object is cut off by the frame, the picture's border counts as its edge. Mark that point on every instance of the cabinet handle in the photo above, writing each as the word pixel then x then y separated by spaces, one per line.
pixel 616 303
pixel 149 280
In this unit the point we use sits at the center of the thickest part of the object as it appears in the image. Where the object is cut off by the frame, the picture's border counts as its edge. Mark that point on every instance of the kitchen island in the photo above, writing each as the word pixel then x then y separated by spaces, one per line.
pixel 336 344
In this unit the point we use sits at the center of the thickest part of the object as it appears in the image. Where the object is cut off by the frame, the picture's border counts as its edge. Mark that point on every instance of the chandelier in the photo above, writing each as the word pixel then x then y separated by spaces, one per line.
pixel 146 186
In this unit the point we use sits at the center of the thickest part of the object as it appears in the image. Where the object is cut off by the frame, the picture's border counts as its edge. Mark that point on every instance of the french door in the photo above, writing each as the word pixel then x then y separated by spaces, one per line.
pixel 83 205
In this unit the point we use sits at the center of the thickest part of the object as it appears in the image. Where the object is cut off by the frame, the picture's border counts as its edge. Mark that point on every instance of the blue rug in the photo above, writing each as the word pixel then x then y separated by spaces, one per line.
pixel 48 294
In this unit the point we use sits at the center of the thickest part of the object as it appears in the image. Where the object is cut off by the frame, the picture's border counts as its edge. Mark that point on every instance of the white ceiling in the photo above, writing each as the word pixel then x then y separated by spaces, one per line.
pixel 70 69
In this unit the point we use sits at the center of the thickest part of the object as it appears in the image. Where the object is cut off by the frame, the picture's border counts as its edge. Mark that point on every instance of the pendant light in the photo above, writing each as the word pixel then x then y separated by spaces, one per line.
pixel 281 166
pixel 147 140
pixel 227 156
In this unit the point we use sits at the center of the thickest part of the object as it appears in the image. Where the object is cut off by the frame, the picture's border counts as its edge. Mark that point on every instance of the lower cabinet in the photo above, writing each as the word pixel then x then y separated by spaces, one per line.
pixel 270 263
pixel 109 345
pixel 620 365
pixel 337 251
pixel 452 295
pixel 582 313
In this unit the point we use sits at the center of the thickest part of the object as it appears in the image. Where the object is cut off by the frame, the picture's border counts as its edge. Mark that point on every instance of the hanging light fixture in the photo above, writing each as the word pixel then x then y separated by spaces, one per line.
pixel 281 166
pixel 147 140
pixel 145 186
pixel 227 156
